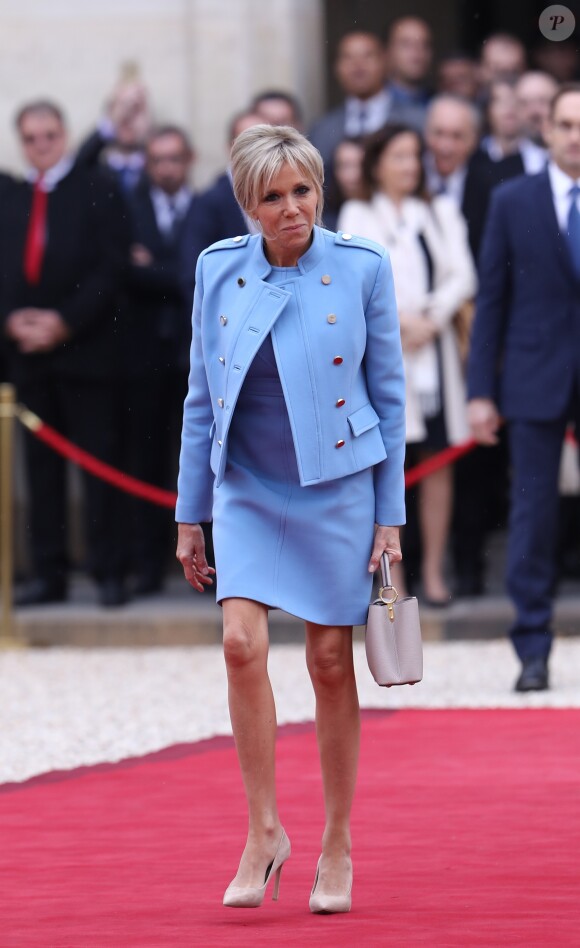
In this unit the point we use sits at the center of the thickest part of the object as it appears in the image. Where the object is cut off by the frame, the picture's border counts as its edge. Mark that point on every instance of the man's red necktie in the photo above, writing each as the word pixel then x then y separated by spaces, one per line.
pixel 36 235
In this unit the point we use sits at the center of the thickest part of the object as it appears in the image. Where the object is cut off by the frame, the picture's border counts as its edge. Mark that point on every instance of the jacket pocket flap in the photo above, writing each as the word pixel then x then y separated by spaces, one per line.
pixel 362 419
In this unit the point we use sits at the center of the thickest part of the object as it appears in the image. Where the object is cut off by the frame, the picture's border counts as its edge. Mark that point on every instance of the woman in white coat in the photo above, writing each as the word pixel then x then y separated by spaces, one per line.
pixel 434 276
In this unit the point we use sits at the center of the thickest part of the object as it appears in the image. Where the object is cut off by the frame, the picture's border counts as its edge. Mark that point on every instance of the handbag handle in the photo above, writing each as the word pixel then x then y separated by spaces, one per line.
pixel 386 580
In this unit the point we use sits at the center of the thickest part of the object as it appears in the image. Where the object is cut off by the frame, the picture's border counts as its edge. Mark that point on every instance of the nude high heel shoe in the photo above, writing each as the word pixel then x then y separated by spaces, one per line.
pixel 252 896
pixel 322 904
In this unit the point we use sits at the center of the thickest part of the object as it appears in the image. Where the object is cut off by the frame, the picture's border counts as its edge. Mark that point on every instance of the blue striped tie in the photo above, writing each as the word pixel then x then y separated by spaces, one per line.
pixel 573 228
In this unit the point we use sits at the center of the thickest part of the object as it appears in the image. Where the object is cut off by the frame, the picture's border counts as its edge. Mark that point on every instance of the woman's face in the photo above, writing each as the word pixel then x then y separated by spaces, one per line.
pixel 398 170
pixel 348 159
pixel 286 212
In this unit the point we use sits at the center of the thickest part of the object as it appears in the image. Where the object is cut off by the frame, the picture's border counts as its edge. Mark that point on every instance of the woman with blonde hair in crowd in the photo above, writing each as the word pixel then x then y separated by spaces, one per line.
pixel 434 276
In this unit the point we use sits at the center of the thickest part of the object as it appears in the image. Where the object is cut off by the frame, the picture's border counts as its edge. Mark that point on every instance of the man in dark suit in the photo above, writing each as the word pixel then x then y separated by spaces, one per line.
pixel 62 248
pixel 216 214
pixel 157 336
pixel 525 364
pixel 456 166
pixel 360 69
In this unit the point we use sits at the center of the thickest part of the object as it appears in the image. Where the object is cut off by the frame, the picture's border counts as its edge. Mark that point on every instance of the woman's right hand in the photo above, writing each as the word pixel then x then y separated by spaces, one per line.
pixel 191 554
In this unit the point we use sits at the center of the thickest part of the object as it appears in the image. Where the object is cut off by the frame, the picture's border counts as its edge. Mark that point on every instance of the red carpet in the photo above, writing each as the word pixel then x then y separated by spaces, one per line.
pixel 466 832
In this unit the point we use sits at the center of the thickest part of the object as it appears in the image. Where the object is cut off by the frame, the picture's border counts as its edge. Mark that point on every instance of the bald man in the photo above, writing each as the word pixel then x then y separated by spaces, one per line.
pixel 451 134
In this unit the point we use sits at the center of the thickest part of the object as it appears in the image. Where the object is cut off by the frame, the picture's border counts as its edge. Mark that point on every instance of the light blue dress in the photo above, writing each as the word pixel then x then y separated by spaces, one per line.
pixel 301 549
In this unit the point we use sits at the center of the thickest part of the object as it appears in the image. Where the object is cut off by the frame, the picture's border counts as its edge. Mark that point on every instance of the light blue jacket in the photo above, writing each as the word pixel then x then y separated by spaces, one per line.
pixel 340 365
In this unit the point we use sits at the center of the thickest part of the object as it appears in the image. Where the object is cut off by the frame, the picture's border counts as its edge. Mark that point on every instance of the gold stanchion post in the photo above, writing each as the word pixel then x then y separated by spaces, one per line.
pixel 7 414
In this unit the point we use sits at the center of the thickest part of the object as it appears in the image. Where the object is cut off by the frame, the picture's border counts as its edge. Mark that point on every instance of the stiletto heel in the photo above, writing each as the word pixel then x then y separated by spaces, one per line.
pixel 252 896
pixel 276 891
pixel 322 904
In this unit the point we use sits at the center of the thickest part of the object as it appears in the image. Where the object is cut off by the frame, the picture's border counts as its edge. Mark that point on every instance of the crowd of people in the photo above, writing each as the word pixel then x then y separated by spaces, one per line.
pixel 98 252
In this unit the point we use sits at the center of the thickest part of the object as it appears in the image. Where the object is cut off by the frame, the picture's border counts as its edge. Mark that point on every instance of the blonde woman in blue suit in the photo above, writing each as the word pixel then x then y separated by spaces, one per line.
pixel 293 444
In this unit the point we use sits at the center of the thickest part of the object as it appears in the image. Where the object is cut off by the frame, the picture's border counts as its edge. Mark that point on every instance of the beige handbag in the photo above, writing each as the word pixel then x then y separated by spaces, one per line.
pixel 393 635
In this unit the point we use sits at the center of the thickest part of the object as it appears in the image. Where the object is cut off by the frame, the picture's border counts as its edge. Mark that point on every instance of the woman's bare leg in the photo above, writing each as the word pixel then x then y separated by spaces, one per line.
pixel 435 500
pixel 253 716
pixel 330 664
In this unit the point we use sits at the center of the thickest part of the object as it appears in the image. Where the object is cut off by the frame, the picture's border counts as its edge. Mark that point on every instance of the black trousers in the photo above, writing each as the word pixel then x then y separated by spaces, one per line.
pixel 481 501
pixel 85 412
pixel 152 412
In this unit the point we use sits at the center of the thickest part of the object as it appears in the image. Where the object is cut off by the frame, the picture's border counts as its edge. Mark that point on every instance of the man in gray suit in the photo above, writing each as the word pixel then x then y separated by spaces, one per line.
pixel 360 68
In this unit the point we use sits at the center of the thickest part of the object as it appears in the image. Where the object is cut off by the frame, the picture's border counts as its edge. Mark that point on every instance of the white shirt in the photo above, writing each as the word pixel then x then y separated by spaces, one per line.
pixel 561 184
pixel 376 112
pixel 533 157
pixel 453 185
pixel 169 208
pixel 51 178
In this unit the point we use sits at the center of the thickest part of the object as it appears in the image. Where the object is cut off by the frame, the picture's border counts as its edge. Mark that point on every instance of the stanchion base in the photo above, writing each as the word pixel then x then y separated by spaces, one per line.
pixel 11 644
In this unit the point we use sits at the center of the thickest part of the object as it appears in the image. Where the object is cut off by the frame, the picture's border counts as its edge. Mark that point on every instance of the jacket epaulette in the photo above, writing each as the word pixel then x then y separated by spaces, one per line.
pixel 230 243
pixel 351 240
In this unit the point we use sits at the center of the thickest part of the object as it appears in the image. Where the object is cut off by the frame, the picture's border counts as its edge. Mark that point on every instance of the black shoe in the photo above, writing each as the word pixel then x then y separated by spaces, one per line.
pixel 38 592
pixel 436 603
pixel 534 675
pixel 112 593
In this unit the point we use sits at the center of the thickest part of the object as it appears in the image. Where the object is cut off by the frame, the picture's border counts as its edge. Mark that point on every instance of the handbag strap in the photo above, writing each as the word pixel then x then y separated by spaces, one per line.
pixel 385 570
pixel 386 580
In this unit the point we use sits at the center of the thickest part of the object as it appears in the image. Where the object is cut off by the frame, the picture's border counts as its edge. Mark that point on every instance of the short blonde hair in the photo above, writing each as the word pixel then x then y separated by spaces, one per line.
pixel 258 155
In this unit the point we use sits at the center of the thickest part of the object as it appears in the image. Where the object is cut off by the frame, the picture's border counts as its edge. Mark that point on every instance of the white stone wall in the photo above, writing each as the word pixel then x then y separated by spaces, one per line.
pixel 201 60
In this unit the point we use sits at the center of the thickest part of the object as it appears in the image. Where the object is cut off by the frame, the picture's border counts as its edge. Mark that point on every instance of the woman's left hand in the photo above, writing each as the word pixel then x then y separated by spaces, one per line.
pixel 387 540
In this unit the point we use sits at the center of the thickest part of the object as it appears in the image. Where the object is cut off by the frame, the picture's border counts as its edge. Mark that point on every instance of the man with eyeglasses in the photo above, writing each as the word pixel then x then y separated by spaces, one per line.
pixel 525 365
pixel 63 250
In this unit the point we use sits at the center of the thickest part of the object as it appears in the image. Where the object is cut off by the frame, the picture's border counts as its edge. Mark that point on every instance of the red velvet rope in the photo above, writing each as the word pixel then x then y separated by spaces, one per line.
pixel 131 485
pixel 442 459
pixel 167 498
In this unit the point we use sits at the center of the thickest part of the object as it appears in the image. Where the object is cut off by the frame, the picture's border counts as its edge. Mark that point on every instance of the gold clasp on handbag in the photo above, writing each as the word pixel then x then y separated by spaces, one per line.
pixel 389 602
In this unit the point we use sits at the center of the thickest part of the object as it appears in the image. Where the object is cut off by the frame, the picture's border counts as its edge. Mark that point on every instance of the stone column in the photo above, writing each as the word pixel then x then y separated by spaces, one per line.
pixel 237 48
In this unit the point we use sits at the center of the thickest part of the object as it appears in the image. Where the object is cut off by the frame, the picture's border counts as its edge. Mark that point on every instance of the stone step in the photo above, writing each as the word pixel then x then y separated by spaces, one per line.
pixel 188 620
